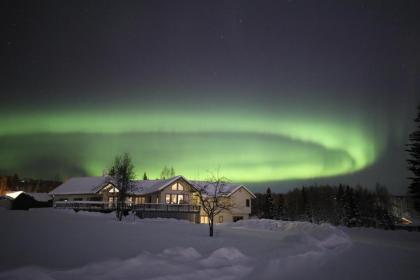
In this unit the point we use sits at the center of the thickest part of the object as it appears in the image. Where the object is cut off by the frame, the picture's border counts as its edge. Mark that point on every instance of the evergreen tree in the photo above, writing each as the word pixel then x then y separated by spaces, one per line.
pixel 306 207
pixel 279 207
pixel 351 215
pixel 145 176
pixel 268 205
pixel 339 206
pixel 414 162
pixel 384 208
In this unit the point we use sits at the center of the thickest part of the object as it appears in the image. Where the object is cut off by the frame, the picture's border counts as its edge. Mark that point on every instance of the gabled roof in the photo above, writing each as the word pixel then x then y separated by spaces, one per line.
pixel 41 197
pixel 92 185
pixel 82 185
pixel 143 187
pixel 224 189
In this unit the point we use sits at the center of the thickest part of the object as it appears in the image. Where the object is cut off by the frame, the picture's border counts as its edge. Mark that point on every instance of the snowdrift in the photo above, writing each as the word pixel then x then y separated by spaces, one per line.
pixel 323 236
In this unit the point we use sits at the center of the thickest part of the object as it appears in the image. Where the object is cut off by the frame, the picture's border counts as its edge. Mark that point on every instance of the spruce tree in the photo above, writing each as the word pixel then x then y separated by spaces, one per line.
pixel 268 205
pixel 352 217
pixel 414 162
pixel 145 176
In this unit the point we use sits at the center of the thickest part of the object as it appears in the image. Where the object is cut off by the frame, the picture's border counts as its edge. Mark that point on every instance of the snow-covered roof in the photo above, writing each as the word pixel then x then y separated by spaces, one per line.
pixel 143 187
pixel 14 195
pixel 41 197
pixel 222 188
pixel 92 185
pixel 82 185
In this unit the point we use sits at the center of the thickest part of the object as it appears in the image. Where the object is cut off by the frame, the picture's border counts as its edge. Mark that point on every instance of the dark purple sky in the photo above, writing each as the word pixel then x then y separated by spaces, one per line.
pixel 346 57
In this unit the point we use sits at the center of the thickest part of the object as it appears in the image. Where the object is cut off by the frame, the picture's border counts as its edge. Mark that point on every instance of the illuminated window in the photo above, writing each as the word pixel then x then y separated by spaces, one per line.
pixel 168 198
pixel 173 199
pixel 204 219
pixel 180 199
pixel 220 219
pixel 177 187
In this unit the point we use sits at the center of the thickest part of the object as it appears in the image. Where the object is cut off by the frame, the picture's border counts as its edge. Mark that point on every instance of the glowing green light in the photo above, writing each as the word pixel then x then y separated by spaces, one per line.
pixel 246 145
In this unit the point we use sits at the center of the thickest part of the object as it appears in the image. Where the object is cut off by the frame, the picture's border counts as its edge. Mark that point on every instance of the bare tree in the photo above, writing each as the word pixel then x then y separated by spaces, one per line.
pixel 213 200
pixel 122 172
pixel 167 172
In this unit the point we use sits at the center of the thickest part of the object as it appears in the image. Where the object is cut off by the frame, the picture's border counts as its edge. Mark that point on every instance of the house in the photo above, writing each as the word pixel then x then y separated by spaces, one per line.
pixel 403 210
pixel 175 197
pixel 21 200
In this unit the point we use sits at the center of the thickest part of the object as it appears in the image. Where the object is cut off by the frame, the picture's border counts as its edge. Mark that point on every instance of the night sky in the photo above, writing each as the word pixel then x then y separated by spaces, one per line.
pixel 270 93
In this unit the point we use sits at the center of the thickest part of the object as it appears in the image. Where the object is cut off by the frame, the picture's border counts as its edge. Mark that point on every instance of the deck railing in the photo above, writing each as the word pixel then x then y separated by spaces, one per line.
pixel 143 207
pixel 166 207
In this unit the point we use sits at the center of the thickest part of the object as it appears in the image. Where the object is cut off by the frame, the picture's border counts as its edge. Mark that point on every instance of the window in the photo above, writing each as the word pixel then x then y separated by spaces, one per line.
pixel 204 219
pixel 177 187
pixel 247 202
pixel 172 198
pixel 237 218
pixel 220 219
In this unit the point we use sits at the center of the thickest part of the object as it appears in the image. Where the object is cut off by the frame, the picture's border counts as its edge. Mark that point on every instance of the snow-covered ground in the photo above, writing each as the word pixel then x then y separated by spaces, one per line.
pixel 60 244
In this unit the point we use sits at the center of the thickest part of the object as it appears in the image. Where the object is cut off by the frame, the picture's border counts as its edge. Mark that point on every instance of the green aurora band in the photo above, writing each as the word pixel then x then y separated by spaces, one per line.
pixel 244 145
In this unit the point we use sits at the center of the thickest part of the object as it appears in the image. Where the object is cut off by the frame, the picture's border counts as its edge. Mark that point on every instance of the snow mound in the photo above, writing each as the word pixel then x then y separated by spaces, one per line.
pixel 323 236
pixel 175 263
pixel 224 256
pixel 183 253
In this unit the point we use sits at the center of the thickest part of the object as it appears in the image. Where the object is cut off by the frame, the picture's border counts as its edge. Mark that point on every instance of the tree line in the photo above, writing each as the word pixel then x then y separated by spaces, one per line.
pixel 337 205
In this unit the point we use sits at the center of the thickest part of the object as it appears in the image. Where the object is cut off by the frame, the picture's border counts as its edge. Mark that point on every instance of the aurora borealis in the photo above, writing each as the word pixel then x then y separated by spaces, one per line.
pixel 246 147
pixel 272 93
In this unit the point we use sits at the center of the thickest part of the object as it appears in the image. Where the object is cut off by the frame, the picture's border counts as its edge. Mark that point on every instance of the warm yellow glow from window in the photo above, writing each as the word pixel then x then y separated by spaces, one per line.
pixel 177 187
pixel 204 219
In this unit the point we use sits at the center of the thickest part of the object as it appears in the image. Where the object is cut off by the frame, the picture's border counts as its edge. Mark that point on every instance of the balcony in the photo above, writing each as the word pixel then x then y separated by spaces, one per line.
pixel 143 207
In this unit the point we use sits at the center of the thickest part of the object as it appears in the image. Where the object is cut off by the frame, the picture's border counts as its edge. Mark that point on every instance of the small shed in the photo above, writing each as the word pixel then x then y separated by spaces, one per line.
pixel 23 200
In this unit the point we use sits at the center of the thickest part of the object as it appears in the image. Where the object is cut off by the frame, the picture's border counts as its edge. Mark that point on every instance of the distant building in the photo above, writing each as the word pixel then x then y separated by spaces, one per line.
pixel 175 197
pixel 23 201
pixel 403 210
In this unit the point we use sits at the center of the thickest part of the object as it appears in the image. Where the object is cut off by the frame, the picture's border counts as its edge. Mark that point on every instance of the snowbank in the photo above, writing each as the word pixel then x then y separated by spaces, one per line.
pixel 175 263
pixel 324 236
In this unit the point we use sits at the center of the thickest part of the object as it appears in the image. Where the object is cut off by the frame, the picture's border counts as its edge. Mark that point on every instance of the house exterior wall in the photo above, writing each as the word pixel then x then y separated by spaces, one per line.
pixel 239 209
pixel 186 192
